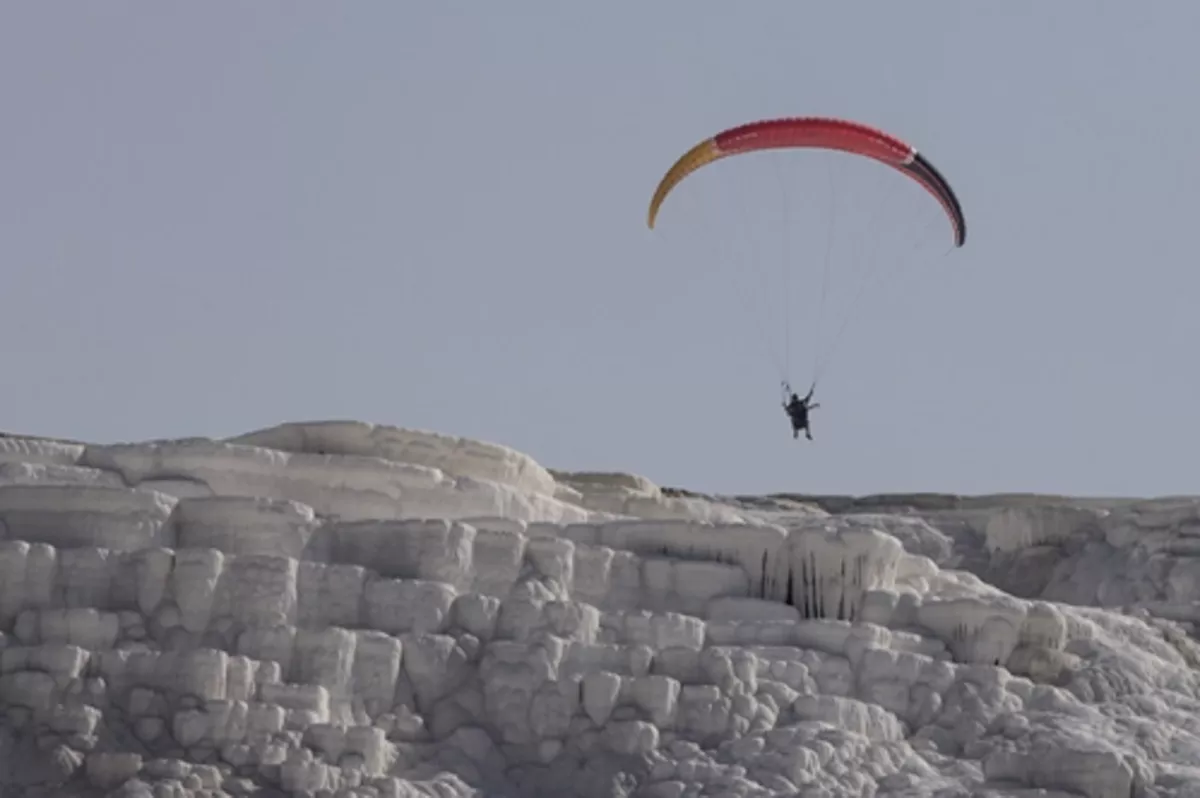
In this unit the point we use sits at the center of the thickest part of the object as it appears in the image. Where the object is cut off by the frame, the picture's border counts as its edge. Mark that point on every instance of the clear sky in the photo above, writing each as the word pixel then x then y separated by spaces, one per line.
pixel 219 216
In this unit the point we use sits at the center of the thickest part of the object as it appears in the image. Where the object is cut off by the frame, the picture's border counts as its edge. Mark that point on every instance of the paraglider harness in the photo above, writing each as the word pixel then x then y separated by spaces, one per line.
pixel 797 409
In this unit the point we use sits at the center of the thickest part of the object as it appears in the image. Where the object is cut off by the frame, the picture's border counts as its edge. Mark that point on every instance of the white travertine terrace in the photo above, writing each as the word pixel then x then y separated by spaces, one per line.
pixel 344 609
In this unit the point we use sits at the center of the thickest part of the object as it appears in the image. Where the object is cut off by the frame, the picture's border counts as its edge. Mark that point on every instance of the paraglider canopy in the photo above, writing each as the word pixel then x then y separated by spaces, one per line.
pixel 818 132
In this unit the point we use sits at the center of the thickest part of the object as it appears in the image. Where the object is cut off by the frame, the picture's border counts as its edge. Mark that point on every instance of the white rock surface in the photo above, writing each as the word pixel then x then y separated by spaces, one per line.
pixel 343 609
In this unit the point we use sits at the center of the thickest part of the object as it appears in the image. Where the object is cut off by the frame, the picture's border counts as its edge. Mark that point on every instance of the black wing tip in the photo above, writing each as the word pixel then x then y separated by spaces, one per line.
pixel 929 174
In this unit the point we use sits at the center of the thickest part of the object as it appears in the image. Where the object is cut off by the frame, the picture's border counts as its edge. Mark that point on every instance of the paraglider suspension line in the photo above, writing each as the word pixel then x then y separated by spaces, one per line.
pixel 825 271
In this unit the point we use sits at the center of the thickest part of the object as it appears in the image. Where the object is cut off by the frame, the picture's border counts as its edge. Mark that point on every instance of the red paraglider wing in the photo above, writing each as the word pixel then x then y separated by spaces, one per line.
pixel 823 133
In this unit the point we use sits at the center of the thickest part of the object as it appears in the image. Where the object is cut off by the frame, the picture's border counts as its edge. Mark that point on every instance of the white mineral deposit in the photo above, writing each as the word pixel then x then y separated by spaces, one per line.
pixel 342 609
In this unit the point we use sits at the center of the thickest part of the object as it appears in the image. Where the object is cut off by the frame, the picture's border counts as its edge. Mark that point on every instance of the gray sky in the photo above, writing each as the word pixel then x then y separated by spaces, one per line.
pixel 219 216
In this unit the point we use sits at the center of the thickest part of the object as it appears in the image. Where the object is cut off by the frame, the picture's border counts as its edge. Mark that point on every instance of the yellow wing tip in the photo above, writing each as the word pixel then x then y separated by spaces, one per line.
pixel 703 153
